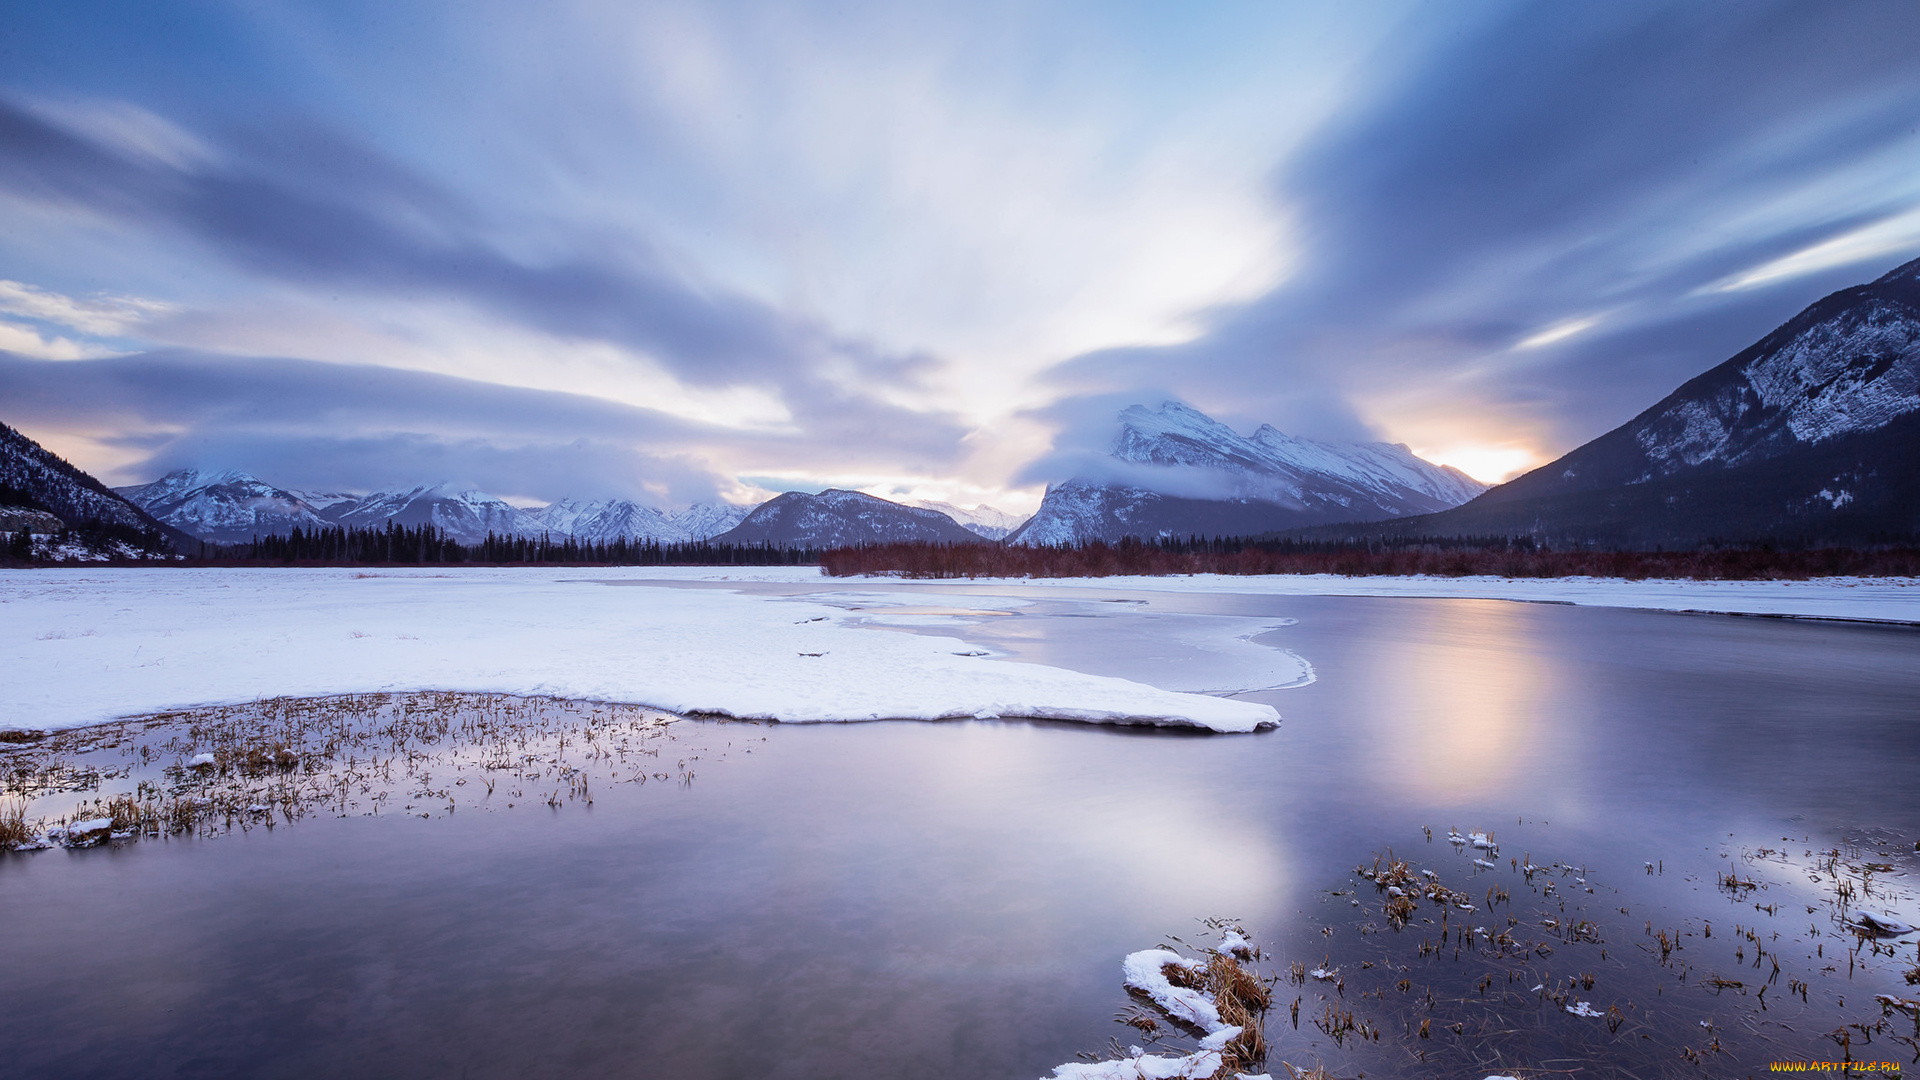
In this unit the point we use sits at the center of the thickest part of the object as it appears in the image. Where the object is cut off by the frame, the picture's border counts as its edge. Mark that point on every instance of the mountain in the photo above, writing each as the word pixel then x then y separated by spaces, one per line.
pixel 612 519
pixel 233 507
pixel 1178 472
pixel 1811 434
pixel 466 516
pixel 34 478
pixel 836 518
pixel 982 519
pixel 224 507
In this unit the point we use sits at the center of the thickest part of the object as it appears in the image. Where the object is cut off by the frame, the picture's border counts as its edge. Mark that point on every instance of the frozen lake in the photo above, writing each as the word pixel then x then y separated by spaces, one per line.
pixel 952 899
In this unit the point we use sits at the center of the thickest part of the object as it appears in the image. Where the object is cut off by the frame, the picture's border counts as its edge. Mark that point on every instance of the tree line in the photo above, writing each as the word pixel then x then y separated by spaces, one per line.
pixel 1434 556
pixel 408 545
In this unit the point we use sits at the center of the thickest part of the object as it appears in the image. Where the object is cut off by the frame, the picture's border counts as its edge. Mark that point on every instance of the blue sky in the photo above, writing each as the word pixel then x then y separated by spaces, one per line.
pixel 685 251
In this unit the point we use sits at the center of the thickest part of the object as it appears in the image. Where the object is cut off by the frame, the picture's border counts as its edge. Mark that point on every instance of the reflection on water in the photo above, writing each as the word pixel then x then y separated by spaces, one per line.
pixel 1454 707
pixel 950 900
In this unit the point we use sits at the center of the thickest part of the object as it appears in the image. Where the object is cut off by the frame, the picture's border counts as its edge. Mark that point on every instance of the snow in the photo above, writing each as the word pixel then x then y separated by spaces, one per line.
pixel 1581 1008
pixel 82 646
pixel 1882 922
pixel 1145 971
pixel 1232 943
pixel 1143 1067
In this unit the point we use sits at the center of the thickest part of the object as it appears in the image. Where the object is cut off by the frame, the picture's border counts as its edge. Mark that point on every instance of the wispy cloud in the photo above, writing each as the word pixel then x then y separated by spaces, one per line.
pixel 1889 237
pixel 99 316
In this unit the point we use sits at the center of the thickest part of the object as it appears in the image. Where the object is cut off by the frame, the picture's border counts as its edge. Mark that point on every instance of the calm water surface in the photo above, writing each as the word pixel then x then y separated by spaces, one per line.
pixel 952 900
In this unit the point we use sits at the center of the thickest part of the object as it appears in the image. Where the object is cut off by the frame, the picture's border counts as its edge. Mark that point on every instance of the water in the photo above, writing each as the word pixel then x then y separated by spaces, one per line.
pixel 953 900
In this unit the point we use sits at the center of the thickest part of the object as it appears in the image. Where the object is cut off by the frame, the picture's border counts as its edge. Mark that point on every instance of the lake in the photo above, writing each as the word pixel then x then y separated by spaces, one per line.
pixel 953 899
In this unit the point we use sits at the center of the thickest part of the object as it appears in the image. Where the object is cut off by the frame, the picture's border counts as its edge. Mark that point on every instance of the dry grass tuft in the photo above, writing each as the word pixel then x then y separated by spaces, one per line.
pixel 1243 1001
pixel 13 827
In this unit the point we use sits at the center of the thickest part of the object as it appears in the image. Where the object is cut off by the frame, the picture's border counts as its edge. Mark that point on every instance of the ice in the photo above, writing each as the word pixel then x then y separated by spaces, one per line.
pixel 1581 1008
pixel 1882 922
pixel 86 645
pixel 1895 599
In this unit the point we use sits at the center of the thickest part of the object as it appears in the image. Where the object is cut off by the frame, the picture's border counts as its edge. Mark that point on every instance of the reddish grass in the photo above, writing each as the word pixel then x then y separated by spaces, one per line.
pixel 1099 559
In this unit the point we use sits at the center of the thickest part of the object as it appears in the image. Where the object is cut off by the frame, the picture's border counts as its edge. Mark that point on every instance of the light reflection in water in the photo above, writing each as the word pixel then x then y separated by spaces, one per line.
pixel 1453 707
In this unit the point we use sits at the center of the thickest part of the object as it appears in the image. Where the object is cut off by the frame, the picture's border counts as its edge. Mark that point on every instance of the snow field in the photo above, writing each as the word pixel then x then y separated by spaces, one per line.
pixel 84 646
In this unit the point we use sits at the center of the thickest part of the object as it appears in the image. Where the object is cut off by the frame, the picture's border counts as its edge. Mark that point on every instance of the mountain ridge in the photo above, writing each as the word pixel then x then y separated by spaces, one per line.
pixel 35 478
pixel 1177 472
pixel 840 518
pixel 1810 434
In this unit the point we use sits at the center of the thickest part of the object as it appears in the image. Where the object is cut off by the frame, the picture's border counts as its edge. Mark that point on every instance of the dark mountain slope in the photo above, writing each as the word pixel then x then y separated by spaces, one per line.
pixel 34 477
pixel 836 518
pixel 1810 435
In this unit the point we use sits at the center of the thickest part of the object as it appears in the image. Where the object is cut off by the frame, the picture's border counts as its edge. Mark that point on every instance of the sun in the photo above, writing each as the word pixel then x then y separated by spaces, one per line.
pixel 1488 464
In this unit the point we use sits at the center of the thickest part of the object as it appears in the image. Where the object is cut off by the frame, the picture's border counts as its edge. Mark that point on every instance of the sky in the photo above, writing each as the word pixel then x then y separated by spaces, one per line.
pixel 683 252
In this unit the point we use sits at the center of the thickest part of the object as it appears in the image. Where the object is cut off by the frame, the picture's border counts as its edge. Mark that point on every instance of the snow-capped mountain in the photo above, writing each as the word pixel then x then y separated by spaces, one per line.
pixel 1848 364
pixel 233 507
pixel 1176 471
pixel 1811 434
pixel 836 518
pixel 224 507
pixel 706 521
pixel 613 519
pixel 34 478
pixel 982 519
pixel 466 516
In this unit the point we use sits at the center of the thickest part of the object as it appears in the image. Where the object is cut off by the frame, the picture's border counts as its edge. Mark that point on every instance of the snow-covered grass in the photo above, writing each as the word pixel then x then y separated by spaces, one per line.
pixel 1207 995
pixel 83 646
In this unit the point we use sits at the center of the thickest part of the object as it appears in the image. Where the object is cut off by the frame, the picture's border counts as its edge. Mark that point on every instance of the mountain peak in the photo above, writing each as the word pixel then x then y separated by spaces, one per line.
pixel 1178 471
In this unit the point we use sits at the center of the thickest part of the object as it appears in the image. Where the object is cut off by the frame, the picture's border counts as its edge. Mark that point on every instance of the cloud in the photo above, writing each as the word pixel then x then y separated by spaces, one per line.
pixel 1515 181
pixel 100 316
pixel 319 425
pixel 1881 240
pixel 310 206
pixel 27 341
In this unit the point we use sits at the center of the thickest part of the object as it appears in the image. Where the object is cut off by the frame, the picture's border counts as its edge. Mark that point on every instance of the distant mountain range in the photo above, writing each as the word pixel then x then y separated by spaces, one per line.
pixel 233 507
pixel 1811 434
pixel 1176 471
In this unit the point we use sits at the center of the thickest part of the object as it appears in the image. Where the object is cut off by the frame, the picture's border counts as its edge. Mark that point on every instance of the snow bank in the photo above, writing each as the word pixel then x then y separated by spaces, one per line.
pixel 83 646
